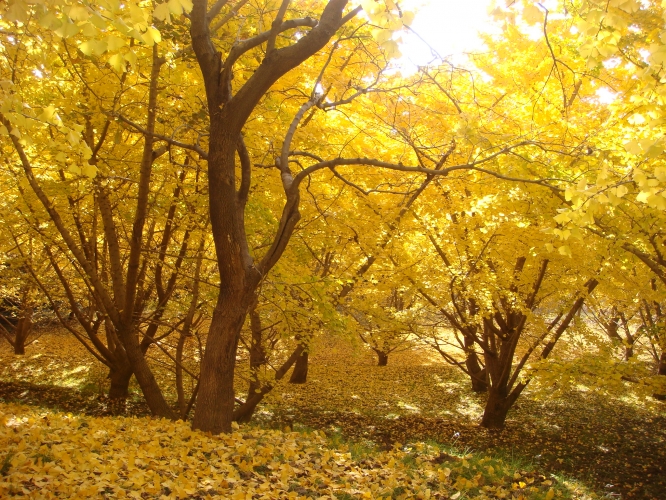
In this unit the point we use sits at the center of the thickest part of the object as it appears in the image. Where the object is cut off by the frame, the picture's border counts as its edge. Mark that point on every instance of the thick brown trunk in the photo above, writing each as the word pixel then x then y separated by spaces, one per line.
pixel 19 349
pixel 661 370
pixel 120 376
pixel 382 358
pixel 300 373
pixel 22 331
pixel 215 402
pixel 497 407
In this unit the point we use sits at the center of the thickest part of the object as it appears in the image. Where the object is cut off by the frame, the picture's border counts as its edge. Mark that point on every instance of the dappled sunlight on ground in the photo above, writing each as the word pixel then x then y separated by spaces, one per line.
pixel 56 358
pixel 595 438
pixel 50 454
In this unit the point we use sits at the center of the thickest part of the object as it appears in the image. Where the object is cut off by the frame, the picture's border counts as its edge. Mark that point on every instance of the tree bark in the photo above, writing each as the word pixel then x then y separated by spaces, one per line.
pixel 382 358
pixel 23 329
pixel 497 407
pixel 239 274
pixel 477 374
pixel 661 370
pixel 300 373
pixel 144 375
pixel 257 352
pixel 215 402
pixel 478 379
pixel 120 376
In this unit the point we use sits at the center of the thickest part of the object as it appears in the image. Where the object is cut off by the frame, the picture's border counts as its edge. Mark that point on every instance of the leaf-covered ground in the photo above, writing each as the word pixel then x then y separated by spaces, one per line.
pixel 617 444
pixel 55 455
pixel 614 445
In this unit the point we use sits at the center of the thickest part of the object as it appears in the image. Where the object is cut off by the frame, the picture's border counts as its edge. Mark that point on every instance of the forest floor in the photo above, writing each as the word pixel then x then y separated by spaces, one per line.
pixel 614 445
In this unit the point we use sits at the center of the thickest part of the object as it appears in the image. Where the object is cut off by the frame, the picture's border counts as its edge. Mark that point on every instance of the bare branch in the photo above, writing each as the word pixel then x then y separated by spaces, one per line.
pixel 192 147
pixel 275 27
pixel 234 10
pixel 215 9
pixel 443 172
pixel 241 48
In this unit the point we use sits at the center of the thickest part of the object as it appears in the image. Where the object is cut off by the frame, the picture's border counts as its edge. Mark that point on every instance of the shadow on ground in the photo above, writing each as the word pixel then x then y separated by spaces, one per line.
pixel 604 443
pixel 599 441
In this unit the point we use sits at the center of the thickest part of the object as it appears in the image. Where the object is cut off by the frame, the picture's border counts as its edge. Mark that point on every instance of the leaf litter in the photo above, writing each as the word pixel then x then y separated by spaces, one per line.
pixel 409 420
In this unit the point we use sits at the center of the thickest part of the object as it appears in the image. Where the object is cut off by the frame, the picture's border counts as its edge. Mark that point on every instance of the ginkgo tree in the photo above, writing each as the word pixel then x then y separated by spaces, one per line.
pixel 260 121
pixel 628 309
pixel 501 299
pixel 69 120
pixel 20 295
pixel 233 95
pixel 122 36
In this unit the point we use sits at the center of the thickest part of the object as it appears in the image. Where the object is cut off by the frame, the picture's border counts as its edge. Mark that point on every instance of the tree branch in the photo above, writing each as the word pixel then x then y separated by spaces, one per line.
pixel 192 147
pixel 275 27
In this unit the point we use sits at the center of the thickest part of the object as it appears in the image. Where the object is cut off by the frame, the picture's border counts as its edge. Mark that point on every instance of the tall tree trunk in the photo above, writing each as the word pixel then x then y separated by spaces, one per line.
pixel 215 402
pixel 300 373
pixel 382 358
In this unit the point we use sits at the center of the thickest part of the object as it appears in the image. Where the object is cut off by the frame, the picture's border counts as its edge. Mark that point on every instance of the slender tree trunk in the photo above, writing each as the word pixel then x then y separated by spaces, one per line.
pixel 185 333
pixel 257 353
pixel 300 373
pixel 144 375
pixel 382 358
pixel 477 374
pixel 239 274
pixel 180 390
pixel 23 329
pixel 661 370
pixel 246 410
pixel 244 414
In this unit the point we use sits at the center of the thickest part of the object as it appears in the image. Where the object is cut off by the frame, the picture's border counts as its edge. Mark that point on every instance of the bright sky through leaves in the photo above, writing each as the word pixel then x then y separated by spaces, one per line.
pixel 448 26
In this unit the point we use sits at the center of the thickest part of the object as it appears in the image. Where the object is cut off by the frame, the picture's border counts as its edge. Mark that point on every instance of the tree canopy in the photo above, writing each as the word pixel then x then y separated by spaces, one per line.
pixel 224 182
